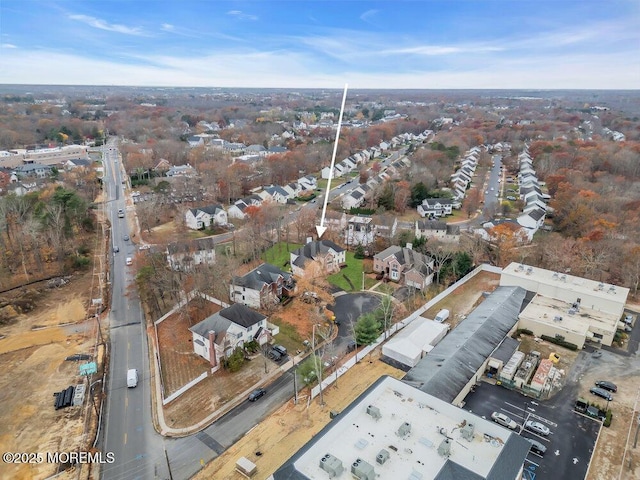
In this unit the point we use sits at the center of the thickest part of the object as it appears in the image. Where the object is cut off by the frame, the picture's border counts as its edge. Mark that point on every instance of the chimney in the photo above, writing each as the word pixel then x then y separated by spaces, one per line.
pixel 212 348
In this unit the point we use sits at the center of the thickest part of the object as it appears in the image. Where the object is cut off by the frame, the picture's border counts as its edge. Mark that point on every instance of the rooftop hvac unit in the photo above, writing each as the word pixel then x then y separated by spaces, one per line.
pixel 444 450
pixel 529 270
pixel 563 278
pixel 404 429
pixel 382 456
pixel 572 311
pixel 612 289
pixel 362 470
pixel 467 431
pixel 520 268
pixel 601 286
pixel 555 275
pixel 331 465
pixel 557 318
pixel 374 412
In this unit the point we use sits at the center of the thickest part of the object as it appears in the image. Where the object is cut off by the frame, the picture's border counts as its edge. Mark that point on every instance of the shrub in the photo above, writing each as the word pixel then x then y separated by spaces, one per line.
pixel 559 341
pixel 523 331
pixel 608 419
pixel 235 361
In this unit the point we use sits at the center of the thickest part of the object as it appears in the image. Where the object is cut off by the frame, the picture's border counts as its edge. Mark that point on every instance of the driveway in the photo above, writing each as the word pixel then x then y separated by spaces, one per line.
pixel 347 309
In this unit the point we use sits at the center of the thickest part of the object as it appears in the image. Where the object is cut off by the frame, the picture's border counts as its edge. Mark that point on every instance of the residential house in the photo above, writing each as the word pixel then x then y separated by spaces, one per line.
pixel 203 217
pixel 276 150
pixel 195 141
pixel 437 230
pixel 217 336
pixel 277 194
pixel 182 171
pixel 182 256
pixel 262 287
pixel 335 221
pixel 435 207
pixel 308 182
pixel 237 210
pixel 359 231
pixel 36 170
pixel 385 225
pixel 329 255
pixel 256 149
pixel 405 266
pixel 77 163
pixel 162 166
pixel 353 199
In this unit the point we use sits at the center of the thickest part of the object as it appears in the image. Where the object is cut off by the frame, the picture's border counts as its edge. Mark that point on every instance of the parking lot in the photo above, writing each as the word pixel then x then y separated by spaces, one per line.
pixel 572 436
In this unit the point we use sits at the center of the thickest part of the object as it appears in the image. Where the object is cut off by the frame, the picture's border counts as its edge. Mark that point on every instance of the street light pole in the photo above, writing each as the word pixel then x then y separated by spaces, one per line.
pixel 315 357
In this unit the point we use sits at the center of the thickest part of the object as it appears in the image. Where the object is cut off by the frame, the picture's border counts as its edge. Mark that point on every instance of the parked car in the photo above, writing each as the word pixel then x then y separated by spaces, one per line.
pixel 116 249
pixel 602 393
pixel 536 427
pixel 610 386
pixel 126 238
pixel 628 319
pixel 274 355
pixel 280 349
pixel 256 394
pixel 537 447
pixel 502 419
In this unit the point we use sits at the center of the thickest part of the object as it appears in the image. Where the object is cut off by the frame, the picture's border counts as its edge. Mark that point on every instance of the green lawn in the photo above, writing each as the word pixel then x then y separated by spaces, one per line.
pixel 278 255
pixel 353 271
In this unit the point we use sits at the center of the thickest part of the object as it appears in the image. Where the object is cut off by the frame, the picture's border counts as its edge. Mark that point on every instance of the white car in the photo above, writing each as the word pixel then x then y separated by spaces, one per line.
pixel 536 427
pixel 502 419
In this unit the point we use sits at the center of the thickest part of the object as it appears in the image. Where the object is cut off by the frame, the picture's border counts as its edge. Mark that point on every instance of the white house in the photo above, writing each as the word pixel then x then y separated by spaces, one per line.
pixel 262 287
pixel 203 217
pixel 277 194
pixel 360 231
pixel 184 255
pixel 353 199
pixel 217 336
pixel 435 207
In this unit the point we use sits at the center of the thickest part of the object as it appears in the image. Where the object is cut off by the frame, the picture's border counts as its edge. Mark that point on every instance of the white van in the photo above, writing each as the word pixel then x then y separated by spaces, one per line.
pixel 442 315
pixel 132 377
pixel 129 261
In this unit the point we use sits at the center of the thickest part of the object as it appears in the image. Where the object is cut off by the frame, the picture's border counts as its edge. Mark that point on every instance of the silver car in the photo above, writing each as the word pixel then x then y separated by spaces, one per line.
pixel 537 427
pixel 502 419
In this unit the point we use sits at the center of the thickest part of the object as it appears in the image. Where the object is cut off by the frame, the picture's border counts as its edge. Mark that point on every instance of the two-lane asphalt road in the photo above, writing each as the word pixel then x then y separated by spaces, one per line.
pixel 128 428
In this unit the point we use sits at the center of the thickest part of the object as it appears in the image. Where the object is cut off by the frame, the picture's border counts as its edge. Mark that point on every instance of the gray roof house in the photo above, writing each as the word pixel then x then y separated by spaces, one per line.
pixel 262 287
pixel 218 335
pixel 328 254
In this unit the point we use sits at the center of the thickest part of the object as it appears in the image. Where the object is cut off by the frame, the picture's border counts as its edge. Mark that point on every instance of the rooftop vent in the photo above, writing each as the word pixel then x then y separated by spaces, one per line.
pixel 374 412
pixel 444 450
pixel 382 456
pixel 404 429
pixel 331 465
pixel 362 470
pixel 467 432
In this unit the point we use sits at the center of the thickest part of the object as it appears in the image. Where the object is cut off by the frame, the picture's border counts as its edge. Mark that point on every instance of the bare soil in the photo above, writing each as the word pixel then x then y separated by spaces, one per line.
pixel 32 353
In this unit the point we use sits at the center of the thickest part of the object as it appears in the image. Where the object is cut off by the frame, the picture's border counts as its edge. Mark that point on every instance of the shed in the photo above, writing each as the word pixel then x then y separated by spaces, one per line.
pixel 414 341
pixel 246 467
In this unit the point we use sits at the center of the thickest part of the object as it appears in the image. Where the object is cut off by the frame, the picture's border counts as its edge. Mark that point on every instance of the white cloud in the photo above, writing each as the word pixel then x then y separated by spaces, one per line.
pixel 368 15
pixel 294 70
pixel 167 27
pixel 241 15
pixel 8 45
pixel 110 27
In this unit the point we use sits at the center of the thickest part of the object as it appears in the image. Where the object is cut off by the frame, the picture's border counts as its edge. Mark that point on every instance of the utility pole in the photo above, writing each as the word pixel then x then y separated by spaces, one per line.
pixel 319 368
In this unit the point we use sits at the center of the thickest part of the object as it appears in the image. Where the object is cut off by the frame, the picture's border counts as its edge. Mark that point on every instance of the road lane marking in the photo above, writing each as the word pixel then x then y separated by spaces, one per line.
pixel 125 438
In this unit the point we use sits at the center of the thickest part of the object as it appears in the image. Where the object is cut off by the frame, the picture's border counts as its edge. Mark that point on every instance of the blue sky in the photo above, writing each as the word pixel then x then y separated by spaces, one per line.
pixel 544 44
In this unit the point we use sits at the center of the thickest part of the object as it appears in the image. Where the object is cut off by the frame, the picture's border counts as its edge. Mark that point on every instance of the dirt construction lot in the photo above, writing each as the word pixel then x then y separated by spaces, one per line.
pixel 32 354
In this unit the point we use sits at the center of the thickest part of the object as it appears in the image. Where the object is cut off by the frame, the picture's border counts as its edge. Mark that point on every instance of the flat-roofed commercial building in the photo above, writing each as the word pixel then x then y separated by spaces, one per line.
pixel 394 431
pixel 574 308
